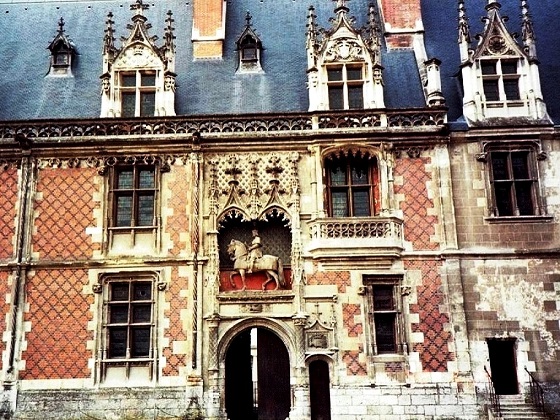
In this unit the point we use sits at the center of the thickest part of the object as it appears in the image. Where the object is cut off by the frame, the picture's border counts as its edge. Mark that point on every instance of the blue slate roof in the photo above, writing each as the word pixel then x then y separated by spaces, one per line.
pixel 213 86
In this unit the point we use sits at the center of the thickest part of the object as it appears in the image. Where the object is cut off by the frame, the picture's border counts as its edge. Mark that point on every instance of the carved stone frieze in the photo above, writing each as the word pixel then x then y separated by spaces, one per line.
pixel 252 185
pixel 104 162
pixel 228 124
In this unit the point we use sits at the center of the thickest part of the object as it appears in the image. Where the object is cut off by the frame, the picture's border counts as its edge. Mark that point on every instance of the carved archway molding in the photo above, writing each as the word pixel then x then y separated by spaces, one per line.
pixel 230 331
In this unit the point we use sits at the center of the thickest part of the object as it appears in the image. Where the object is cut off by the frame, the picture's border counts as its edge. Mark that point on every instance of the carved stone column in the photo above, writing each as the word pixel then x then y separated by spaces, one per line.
pixel 213 400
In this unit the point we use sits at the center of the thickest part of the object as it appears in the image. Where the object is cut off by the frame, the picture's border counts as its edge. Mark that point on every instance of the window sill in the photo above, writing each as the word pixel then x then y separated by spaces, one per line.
pixel 388 358
pixel 519 219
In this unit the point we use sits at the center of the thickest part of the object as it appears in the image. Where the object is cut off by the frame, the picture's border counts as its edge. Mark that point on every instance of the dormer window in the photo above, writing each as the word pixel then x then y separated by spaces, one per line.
pixel 62 51
pixel 500 76
pixel 500 80
pixel 249 47
pixel 344 70
pixel 346 86
pixel 138 94
pixel 138 78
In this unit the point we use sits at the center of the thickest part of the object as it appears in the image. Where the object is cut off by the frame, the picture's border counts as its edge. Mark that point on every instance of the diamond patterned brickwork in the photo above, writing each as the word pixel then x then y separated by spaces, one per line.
pixel 349 313
pixel 176 331
pixel 4 307
pixel 178 202
pixel 354 367
pixel 434 351
pixel 340 278
pixel 57 319
pixel 64 210
pixel 419 225
pixel 8 192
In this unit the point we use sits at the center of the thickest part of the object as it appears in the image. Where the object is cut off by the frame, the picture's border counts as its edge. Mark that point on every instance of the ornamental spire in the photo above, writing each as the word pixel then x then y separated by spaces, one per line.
pixel 527 31
pixel 109 38
pixel 168 35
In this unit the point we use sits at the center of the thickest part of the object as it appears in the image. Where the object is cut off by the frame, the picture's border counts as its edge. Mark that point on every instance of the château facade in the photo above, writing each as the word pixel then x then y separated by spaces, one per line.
pixel 274 210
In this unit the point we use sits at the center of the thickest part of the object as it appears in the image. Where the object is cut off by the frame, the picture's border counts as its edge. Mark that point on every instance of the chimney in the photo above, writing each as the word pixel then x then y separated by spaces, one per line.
pixel 209 28
pixel 402 19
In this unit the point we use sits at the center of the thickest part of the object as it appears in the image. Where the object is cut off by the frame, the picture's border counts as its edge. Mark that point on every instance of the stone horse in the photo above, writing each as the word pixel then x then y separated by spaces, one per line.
pixel 271 265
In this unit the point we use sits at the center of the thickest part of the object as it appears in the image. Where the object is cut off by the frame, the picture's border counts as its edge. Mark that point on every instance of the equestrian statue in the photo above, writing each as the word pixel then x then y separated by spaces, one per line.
pixel 251 260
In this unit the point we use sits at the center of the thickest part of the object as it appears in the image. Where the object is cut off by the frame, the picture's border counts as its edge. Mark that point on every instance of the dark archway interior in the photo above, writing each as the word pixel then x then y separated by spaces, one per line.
pixel 257 377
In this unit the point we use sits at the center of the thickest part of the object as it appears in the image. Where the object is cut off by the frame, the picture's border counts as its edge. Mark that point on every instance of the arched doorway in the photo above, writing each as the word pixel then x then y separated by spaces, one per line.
pixel 257 376
pixel 319 390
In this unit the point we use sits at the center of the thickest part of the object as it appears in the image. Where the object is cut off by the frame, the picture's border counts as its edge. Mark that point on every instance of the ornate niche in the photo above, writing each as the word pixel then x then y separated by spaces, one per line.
pixel 253 198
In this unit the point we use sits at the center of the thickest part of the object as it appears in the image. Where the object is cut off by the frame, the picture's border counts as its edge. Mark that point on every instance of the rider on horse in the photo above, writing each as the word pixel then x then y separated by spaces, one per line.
pixel 255 250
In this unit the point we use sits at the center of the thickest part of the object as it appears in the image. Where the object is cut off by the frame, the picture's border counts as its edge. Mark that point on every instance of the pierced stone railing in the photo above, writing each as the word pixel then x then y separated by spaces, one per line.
pixel 356 228
pixel 361 240
pixel 226 124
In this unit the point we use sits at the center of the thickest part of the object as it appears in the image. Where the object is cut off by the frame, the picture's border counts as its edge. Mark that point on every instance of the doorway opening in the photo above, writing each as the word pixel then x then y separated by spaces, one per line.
pixel 319 390
pixel 503 365
pixel 257 376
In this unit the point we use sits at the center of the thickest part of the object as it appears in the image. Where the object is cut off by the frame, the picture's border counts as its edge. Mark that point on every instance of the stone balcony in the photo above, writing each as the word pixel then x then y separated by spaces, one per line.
pixel 368 241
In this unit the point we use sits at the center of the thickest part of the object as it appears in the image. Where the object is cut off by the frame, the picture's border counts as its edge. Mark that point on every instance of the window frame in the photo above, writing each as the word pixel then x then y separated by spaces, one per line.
pixel 129 361
pixel 513 182
pixel 135 192
pixel 400 345
pixel 137 91
pixel 498 80
pixel 372 184
pixel 345 83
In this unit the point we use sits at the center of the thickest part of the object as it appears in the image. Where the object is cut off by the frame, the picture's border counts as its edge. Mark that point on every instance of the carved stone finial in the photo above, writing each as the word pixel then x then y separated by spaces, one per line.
pixel 61 26
pixel 527 31
pixel 464 30
pixel 139 6
pixel 109 38
pixel 248 18
pixel 341 6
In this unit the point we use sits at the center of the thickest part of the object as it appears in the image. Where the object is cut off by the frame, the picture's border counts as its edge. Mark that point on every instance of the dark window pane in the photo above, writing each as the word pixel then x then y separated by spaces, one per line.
pixel 509 67
pixel 334 74
pixel 249 53
pixel 491 91
pixel 339 204
pixel 128 80
pixel 118 314
pixel 385 332
pixel 500 166
pixel 128 104
pixel 140 341
pixel 355 97
pixel 147 103
pixel 146 178
pixel 336 100
pixel 488 67
pixel 145 210
pixel 125 179
pixel 383 298
pixel 360 171
pixel 142 291
pixel 524 197
pixel 511 88
pixel 360 201
pixel 61 58
pixel 117 342
pixel 520 165
pixel 141 313
pixel 502 190
pixel 148 79
pixel 353 73
pixel 124 211
pixel 338 175
pixel 119 291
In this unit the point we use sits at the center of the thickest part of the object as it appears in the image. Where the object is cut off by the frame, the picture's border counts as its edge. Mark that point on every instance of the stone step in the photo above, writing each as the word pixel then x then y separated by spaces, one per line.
pixel 514 407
